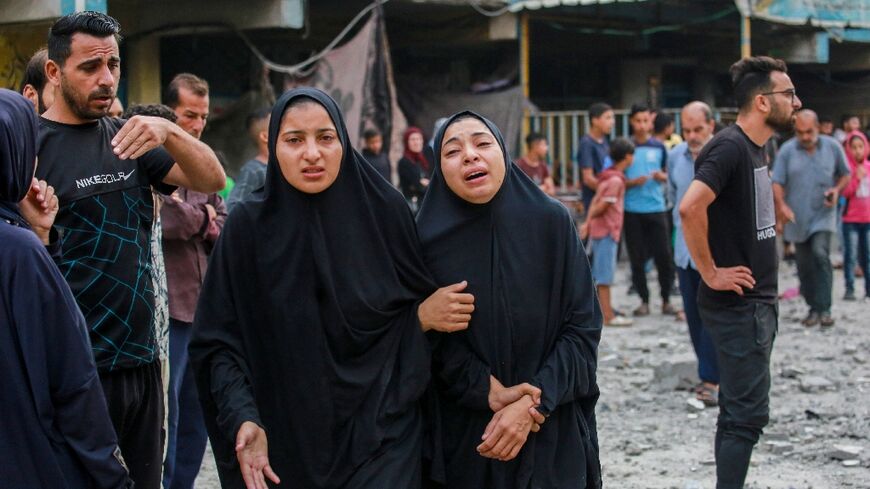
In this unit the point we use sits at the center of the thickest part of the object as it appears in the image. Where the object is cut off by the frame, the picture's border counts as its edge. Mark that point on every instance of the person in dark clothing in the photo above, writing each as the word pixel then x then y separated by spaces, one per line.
pixel 103 170
pixel 318 344
pixel 536 323
pixel 191 223
pixel 252 175
pixel 57 432
pixel 374 154
pixel 415 170
pixel 729 226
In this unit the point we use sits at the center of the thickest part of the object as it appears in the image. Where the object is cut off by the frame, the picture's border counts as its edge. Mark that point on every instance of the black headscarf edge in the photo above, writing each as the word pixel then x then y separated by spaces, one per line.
pixel 18 133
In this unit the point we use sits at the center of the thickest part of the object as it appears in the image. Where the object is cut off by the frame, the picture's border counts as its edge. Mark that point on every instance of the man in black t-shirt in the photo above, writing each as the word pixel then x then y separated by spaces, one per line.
pixel 729 226
pixel 102 170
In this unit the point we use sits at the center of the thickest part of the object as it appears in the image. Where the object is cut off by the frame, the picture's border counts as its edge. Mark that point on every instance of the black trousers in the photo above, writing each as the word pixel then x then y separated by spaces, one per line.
pixel 135 400
pixel 647 236
pixel 743 335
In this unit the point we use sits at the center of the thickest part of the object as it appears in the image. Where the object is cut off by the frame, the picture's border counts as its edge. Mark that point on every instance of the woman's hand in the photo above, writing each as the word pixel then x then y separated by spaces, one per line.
pixel 447 310
pixel 252 450
pixel 508 431
pixel 500 396
pixel 39 208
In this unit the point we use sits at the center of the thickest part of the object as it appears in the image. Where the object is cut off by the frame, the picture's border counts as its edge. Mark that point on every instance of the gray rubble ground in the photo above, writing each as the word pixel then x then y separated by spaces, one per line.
pixel 651 436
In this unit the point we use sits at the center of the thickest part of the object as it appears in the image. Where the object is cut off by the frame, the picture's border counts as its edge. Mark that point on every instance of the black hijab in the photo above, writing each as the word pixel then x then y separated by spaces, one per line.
pixel 18 133
pixel 536 320
pixel 307 321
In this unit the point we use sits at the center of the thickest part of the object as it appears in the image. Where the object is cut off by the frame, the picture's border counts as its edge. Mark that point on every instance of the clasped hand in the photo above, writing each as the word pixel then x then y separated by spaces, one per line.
pixel 447 310
pixel 515 416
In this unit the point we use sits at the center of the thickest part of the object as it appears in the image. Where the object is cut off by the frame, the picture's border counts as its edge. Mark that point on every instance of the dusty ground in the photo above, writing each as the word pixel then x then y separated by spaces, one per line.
pixel 652 438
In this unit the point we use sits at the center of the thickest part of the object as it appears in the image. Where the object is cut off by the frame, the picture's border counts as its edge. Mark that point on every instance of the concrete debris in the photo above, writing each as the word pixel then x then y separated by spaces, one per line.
pixel 791 372
pixel 813 383
pixel 845 452
pixel 779 447
pixel 678 372
pixel 695 404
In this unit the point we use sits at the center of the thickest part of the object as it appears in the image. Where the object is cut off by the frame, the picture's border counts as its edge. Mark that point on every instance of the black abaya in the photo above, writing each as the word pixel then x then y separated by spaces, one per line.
pixel 55 430
pixel 307 325
pixel 536 320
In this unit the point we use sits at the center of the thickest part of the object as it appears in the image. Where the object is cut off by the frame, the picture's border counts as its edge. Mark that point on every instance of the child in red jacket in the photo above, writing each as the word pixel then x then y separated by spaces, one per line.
pixel 856 215
pixel 604 225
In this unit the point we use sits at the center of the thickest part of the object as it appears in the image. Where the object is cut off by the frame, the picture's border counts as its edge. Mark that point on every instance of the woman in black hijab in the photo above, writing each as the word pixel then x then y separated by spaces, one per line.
pixel 56 430
pixel 536 320
pixel 307 326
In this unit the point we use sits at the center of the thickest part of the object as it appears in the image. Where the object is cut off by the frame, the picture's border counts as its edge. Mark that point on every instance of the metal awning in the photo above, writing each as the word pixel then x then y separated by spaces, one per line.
pixel 518 5
pixel 819 13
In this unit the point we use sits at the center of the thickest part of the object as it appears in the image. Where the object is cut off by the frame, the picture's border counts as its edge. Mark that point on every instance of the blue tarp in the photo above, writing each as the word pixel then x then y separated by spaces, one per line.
pixel 820 13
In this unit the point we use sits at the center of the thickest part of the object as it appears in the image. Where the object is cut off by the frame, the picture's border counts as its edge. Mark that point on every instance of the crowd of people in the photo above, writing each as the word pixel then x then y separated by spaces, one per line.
pixel 323 329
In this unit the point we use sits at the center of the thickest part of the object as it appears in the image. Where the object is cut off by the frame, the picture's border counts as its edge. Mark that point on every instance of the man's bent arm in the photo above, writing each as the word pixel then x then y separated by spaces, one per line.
pixel 842 182
pixel 196 166
pixel 693 214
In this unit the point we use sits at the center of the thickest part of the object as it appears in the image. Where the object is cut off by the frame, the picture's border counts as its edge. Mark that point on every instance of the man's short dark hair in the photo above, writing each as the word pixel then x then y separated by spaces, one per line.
pixel 598 109
pixel 751 76
pixel 661 122
pixel 88 22
pixel 534 137
pixel 34 73
pixel 257 116
pixel 637 109
pixel 845 118
pixel 823 119
pixel 620 148
pixel 154 110
pixel 189 81
pixel 371 133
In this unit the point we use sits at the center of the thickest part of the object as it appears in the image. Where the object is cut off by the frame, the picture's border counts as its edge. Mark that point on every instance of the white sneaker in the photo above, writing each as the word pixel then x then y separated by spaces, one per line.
pixel 620 321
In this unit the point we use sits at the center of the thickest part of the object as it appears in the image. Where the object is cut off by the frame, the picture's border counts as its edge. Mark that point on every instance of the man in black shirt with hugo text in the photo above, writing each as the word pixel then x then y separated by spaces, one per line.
pixel 102 169
pixel 729 225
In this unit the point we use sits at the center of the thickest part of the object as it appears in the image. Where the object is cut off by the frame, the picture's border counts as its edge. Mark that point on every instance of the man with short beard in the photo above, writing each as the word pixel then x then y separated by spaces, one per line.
pixel 192 222
pixel 809 174
pixel 730 229
pixel 34 86
pixel 102 169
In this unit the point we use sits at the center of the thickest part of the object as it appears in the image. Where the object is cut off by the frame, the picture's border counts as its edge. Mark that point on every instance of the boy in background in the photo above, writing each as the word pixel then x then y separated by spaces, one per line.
pixel 604 225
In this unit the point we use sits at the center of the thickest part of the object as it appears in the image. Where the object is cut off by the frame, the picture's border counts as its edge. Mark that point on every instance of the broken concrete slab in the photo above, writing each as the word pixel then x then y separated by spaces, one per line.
pixel 812 383
pixel 678 372
pixel 779 447
pixel 845 452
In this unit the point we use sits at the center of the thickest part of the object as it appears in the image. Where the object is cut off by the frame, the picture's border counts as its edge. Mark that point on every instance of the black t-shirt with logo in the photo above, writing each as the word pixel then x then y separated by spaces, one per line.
pixel 106 214
pixel 741 221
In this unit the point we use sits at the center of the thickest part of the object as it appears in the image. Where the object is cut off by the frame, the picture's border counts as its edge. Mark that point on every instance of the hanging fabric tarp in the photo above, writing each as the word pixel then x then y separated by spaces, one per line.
pixel 358 75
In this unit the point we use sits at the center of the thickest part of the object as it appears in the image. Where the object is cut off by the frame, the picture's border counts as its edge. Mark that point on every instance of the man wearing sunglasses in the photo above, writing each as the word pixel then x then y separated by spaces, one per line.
pixel 729 225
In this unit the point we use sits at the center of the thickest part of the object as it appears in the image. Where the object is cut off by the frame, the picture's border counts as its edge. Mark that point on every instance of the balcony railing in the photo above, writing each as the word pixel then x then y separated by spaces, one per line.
pixel 564 129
